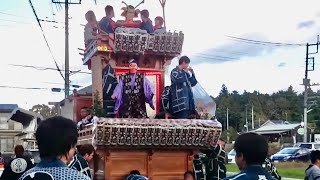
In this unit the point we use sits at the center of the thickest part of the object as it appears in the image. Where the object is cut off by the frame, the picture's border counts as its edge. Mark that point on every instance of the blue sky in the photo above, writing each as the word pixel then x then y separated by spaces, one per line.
pixel 216 58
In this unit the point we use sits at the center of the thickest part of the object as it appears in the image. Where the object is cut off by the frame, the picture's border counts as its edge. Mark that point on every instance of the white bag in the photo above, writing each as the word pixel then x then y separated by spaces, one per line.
pixel 205 105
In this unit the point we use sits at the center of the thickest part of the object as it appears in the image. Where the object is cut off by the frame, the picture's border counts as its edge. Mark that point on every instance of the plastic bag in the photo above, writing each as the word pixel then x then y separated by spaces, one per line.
pixel 205 105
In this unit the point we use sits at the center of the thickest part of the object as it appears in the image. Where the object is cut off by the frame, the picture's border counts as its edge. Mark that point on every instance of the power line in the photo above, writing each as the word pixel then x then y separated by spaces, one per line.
pixel 15 21
pixel 55 62
pixel 17 87
pixel 264 42
pixel 15 15
pixel 47 68
pixel 214 59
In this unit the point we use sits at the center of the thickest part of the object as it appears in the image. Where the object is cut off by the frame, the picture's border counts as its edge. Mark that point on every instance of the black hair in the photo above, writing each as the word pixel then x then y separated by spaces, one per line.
pixel 145 13
pixel 19 150
pixel 253 147
pixel 86 149
pixel 56 136
pixel 184 59
pixel 108 9
pixel 188 173
pixel 135 172
pixel 314 156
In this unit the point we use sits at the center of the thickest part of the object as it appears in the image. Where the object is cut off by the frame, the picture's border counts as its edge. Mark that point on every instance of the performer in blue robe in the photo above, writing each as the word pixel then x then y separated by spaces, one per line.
pixel 181 93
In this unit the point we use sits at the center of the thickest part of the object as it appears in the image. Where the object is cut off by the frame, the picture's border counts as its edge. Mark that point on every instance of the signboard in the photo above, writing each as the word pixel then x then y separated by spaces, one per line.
pixel 317 138
pixel 155 78
pixel 301 131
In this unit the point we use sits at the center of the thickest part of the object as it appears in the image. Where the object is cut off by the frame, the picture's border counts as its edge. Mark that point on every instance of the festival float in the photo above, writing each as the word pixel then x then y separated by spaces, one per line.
pixel 161 149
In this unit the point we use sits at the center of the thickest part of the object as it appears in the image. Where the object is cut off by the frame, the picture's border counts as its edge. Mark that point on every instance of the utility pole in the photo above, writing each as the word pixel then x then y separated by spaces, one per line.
pixel 228 125
pixel 66 52
pixel 227 118
pixel 252 120
pixel 305 98
pixel 246 119
pixel 306 83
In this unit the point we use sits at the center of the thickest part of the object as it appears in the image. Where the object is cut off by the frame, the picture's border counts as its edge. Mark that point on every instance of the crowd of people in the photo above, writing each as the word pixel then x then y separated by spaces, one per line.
pixel 108 25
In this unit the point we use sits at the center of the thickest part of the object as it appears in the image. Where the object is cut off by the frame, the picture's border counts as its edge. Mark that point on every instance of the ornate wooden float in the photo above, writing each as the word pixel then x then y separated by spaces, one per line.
pixel 161 149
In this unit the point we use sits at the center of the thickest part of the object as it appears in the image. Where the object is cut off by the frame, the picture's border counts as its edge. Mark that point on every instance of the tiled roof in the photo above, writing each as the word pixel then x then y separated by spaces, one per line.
pixel 7 107
pixel 85 91
pixel 276 127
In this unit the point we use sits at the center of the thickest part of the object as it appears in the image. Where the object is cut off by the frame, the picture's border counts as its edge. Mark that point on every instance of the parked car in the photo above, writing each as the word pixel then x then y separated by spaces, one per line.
pixel 291 154
pixel 310 146
pixel 231 156
pixel 286 145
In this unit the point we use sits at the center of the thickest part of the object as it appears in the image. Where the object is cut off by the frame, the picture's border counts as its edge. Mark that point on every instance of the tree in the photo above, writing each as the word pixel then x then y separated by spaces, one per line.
pixel 44 110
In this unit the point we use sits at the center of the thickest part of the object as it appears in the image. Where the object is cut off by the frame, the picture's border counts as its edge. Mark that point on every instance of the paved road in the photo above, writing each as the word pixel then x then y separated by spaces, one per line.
pixel 282 178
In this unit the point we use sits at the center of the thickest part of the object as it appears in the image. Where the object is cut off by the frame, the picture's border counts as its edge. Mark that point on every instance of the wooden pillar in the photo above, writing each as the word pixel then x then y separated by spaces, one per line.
pixel 107 167
pixel 190 155
pixel 96 68
pixel 149 164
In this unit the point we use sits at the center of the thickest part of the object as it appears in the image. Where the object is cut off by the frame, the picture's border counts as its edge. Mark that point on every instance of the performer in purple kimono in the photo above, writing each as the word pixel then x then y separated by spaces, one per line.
pixel 132 93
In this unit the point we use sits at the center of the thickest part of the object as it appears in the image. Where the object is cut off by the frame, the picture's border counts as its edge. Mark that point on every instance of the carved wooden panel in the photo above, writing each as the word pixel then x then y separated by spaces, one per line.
pixel 155 164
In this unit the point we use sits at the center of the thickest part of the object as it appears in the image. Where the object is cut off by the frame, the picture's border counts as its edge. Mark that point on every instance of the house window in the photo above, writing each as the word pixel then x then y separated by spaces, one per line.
pixel 6 145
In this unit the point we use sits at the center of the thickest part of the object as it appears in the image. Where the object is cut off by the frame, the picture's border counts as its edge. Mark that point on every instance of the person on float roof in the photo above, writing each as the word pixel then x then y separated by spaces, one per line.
pixel 158 25
pixel 91 28
pixel 106 24
pixel 146 22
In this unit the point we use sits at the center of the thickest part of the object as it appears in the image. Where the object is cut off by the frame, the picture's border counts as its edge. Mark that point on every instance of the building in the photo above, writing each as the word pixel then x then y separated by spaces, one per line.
pixel 279 130
pixel 8 129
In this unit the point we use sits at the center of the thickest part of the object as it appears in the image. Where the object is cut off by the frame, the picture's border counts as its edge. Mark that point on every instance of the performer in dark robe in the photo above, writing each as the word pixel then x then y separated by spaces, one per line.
pixel 109 83
pixel 132 93
pixel 271 168
pixel 181 93
pixel 210 163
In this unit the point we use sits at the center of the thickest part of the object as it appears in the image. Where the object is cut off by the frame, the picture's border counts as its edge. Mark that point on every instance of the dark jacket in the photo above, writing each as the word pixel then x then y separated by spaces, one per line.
pixel 253 172
pixel 14 169
pixel 181 92
pixel 165 100
pixel 312 172
pixel 105 24
pixel 147 26
pixel 80 164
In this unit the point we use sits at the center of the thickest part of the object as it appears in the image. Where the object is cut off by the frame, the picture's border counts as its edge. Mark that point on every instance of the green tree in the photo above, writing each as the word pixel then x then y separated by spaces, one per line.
pixel 44 110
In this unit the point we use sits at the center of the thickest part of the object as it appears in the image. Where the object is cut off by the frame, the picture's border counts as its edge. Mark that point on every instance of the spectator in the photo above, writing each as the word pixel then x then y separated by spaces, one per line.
pixel 135 175
pixel 251 152
pixel 17 166
pixel 146 22
pixel 313 171
pixel 1 159
pixel 188 175
pixel 81 160
pixel 56 138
